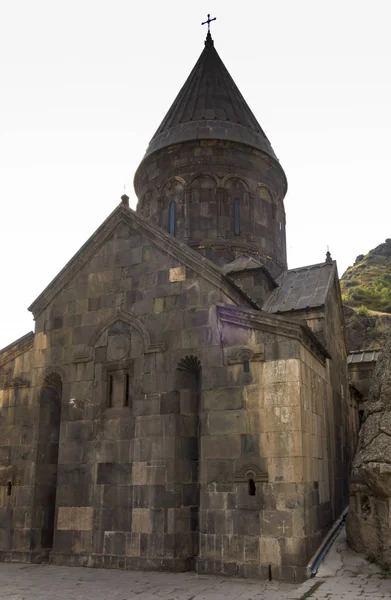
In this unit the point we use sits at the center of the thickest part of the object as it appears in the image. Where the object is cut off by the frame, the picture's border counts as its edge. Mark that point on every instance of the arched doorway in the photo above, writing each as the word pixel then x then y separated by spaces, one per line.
pixel 46 461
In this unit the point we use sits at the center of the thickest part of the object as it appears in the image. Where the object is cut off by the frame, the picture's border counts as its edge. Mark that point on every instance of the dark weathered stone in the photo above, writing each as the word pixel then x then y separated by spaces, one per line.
pixel 157 418
pixel 368 523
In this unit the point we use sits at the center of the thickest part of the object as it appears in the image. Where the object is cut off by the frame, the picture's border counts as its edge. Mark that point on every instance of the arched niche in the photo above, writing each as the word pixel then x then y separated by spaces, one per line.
pixel 49 422
pixel 123 317
pixel 236 218
pixel 264 207
pixel 203 213
pixel 188 370
pixel 172 203
pixel 188 383
pixel 264 193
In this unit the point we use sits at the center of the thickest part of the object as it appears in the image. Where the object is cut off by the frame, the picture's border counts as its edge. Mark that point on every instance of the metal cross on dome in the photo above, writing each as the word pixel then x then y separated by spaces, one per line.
pixel 209 21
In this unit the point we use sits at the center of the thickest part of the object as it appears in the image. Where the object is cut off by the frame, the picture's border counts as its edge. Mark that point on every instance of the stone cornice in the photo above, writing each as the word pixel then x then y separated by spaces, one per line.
pixel 228 161
pixel 290 328
pixel 241 246
pixel 16 382
pixel 179 250
pixel 20 346
pixel 86 354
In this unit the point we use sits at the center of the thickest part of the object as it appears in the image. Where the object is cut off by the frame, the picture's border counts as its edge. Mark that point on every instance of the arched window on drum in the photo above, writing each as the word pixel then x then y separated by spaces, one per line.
pixel 236 217
pixel 172 208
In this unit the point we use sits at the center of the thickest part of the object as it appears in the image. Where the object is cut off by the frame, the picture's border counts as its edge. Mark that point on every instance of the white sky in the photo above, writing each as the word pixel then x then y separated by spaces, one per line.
pixel 85 83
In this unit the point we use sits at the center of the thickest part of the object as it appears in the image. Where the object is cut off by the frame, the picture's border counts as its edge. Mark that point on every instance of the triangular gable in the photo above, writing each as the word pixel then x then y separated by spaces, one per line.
pixel 245 263
pixel 162 240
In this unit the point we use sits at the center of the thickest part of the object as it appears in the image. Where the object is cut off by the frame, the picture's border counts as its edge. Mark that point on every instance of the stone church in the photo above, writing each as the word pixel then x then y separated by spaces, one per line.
pixel 183 403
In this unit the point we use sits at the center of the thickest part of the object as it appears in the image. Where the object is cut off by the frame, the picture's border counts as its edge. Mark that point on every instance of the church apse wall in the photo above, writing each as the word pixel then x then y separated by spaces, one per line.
pixel 340 414
pixel 337 409
pixel 265 502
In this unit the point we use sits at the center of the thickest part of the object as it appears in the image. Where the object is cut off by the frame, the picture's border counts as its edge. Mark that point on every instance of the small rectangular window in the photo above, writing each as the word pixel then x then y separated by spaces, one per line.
pixel 110 392
pixel 127 390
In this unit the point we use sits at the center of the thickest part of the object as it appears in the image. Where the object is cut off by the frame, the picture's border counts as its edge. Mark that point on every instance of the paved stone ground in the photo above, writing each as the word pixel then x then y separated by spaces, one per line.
pixel 344 575
pixel 46 582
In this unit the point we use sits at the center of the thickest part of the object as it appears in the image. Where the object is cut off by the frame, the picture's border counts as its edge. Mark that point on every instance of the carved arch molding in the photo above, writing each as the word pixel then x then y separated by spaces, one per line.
pixel 53 377
pixel 86 353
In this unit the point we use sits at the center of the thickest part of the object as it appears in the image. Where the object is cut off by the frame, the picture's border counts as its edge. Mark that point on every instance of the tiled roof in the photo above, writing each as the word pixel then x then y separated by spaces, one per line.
pixel 210 106
pixel 363 356
pixel 302 288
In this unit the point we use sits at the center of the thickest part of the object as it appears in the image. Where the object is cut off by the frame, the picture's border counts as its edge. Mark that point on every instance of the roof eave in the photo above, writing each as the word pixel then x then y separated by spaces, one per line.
pixel 16 348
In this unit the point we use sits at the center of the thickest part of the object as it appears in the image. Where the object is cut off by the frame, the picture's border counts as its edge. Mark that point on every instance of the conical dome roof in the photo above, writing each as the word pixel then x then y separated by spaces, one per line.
pixel 210 106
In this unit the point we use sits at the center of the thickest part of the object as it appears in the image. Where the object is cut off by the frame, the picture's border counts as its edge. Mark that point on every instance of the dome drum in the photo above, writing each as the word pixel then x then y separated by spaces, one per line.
pixel 220 193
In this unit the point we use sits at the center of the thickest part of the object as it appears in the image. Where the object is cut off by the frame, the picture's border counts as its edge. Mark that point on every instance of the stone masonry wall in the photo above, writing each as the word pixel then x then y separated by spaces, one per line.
pixel 126 487
pixel 185 440
pixel 17 452
pixel 264 427
pixel 342 416
pixel 338 416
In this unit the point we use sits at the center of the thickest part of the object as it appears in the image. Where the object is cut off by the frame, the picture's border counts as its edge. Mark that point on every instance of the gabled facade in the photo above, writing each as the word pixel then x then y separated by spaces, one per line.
pixel 183 402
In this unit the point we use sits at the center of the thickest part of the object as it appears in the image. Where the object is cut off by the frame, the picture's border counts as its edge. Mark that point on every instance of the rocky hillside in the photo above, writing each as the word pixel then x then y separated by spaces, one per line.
pixel 367 284
pixel 366 331
pixel 366 293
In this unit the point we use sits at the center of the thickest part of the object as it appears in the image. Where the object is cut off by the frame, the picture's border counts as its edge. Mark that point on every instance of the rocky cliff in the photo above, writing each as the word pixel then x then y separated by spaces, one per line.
pixel 369 517
pixel 366 330
pixel 366 293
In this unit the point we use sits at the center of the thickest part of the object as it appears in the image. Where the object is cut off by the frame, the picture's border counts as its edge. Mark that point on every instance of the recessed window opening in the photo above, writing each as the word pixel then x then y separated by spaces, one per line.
pixel 251 487
pixel 171 218
pixel 127 389
pixel 110 392
pixel 365 506
pixel 280 233
pixel 246 366
pixel 237 216
pixel 9 488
